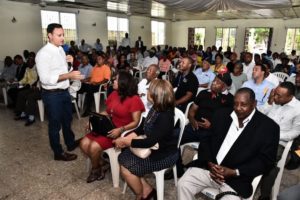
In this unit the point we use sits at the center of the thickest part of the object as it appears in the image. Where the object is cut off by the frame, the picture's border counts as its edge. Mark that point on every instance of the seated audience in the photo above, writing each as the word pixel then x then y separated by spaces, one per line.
pixel 186 83
pixel 124 107
pixel 261 87
pixel 271 77
pixel 29 79
pixel 164 65
pixel 243 145
pixel 219 67
pixel 100 74
pixel 123 64
pixel 150 59
pixel 237 76
pixel 98 46
pixel 84 47
pixel 85 67
pixel 18 60
pixel 233 60
pixel 283 66
pixel 248 65
pixel 283 108
pixel 205 105
pixel 9 72
pixel 158 128
pixel 143 87
pixel 204 75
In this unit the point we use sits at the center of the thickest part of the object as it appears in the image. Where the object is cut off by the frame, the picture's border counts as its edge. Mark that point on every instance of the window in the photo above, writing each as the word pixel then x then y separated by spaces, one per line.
pixel 292 41
pixel 258 40
pixel 225 37
pixel 158 33
pixel 117 27
pixel 199 36
pixel 67 20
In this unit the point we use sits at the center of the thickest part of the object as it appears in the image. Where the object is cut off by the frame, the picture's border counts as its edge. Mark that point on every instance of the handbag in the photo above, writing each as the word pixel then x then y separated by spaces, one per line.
pixel 100 124
pixel 143 152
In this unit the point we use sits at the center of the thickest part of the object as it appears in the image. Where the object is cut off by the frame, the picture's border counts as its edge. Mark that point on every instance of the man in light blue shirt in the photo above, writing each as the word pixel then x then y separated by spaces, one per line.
pixel 261 87
pixel 204 75
pixel 85 67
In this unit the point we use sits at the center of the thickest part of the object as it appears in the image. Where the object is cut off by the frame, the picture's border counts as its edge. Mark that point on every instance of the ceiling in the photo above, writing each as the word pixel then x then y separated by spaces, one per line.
pixel 176 12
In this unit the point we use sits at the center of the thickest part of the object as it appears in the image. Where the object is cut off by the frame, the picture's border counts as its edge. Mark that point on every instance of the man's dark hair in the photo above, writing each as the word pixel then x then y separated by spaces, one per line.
pixel 127 86
pixel 289 86
pixel 248 91
pixel 53 26
pixel 219 55
pixel 262 67
pixel 18 57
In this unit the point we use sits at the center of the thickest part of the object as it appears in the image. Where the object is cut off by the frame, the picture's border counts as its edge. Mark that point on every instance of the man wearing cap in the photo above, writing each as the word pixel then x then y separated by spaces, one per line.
pixel 201 112
pixel 204 106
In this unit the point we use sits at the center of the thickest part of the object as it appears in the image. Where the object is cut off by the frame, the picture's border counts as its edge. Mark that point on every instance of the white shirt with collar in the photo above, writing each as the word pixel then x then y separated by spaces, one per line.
pixel 51 62
pixel 232 135
pixel 248 69
pixel 143 88
pixel 287 116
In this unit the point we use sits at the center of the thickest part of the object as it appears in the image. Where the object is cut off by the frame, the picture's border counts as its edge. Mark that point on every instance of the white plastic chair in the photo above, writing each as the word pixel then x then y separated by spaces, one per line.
pixel 280 164
pixel 97 95
pixel 42 109
pixel 212 192
pixel 4 91
pixel 113 154
pixel 159 175
pixel 281 76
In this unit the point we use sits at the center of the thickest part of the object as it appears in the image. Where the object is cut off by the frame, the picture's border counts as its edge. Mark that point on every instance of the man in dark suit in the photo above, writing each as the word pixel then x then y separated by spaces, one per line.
pixel 139 44
pixel 243 145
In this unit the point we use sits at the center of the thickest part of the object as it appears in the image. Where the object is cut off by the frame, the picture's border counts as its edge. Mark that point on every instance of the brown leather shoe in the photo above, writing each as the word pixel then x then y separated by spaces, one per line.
pixel 65 157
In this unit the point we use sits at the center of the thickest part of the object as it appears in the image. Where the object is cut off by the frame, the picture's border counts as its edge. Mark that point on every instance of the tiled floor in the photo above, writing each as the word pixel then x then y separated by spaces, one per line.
pixel 28 171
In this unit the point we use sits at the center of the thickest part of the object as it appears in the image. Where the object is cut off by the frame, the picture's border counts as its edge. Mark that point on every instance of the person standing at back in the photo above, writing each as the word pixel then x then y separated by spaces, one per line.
pixel 52 67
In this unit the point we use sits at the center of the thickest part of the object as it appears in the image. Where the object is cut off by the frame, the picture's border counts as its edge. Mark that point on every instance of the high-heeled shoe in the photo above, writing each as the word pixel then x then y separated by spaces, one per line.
pixel 96 175
pixel 151 195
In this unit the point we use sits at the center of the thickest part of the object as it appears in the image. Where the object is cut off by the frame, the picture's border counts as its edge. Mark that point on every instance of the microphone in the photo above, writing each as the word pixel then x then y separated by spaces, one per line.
pixel 69 66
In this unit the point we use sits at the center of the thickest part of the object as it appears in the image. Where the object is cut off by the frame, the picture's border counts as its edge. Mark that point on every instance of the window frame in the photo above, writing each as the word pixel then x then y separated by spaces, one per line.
pixel 232 48
pixel 164 34
pixel 295 29
pixel 120 36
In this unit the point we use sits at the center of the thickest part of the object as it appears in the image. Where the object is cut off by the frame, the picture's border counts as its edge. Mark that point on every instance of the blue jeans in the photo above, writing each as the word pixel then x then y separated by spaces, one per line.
pixel 59 110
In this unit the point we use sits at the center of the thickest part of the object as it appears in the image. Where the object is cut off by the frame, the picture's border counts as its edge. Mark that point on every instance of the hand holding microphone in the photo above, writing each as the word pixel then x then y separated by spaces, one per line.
pixel 74 75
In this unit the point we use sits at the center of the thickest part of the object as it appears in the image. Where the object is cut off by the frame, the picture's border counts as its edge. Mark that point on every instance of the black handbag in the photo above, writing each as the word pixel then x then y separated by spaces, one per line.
pixel 100 124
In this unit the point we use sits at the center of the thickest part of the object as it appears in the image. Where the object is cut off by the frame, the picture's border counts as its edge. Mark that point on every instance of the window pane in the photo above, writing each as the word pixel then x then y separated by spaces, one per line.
pixel 158 33
pixel 199 36
pixel 225 37
pixel 292 40
pixel 117 27
pixel 49 17
pixel 112 23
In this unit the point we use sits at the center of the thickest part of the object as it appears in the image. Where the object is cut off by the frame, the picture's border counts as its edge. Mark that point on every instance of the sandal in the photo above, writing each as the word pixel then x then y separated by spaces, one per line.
pixel 95 175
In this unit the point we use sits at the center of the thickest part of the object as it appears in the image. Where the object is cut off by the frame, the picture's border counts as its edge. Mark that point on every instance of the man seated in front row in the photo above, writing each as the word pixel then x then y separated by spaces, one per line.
pixel 283 108
pixel 243 145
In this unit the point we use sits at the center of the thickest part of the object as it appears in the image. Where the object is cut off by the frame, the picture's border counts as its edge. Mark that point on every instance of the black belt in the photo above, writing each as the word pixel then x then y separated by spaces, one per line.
pixel 54 90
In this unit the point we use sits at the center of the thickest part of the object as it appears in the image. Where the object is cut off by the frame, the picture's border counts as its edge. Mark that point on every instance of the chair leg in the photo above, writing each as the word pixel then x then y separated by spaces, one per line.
pixel 115 167
pixel 41 109
pixel 5 96
pixel 124 188
pixel 76 108
pixel 97 101
pixel 159 177
pixel 175 175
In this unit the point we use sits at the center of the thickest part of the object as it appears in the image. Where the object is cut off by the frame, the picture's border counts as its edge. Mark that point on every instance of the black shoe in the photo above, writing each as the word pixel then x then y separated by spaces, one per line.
pixel 29 122
pixel 95 175
pixel 264 198
pixel 291 165
pixel 169 175
pixel 19 117
pixel 65 157
pixel 76 144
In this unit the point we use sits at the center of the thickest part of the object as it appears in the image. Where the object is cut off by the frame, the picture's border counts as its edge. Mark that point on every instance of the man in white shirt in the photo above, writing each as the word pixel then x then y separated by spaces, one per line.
pixel 84 47
pixel 271 77
pixel 150 59
pixel 52 67
pixel 248 65
pixel 125 41
pixel 143 86
pixel 283 108
pixel 243 145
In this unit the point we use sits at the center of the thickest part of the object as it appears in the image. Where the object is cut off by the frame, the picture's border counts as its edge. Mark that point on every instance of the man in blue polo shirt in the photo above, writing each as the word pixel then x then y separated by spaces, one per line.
pixel 261 87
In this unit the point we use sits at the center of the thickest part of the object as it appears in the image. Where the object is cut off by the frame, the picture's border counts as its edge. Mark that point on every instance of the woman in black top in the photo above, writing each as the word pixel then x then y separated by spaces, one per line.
pixel 158 128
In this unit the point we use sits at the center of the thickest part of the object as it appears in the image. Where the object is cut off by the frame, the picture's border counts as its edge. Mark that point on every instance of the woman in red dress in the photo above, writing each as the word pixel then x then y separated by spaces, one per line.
pixel 124 107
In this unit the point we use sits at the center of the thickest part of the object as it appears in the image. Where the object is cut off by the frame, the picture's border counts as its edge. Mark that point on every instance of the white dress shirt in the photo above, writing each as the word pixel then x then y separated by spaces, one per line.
pixel 149 61
pixel 51 62
pixel 287 116
pixel 143 88
pixel 273 79
pixel 248 69
pixel 232 135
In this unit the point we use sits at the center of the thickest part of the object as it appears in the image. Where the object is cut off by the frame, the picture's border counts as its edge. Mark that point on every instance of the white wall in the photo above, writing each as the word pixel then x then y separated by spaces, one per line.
pixel 26 33
pixel 180 30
